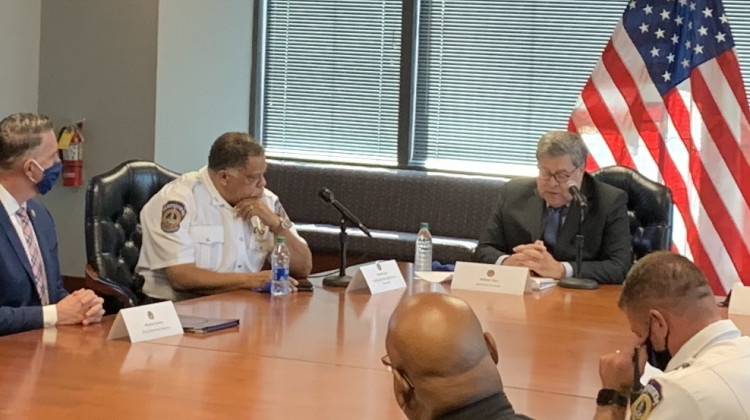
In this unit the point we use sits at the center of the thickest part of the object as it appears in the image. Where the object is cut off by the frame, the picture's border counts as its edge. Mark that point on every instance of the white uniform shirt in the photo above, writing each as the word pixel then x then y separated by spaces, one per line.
pixel 708 378
pixel 188 221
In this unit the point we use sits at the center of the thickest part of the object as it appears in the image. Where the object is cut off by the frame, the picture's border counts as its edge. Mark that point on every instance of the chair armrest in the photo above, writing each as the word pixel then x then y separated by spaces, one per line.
pixel 105 287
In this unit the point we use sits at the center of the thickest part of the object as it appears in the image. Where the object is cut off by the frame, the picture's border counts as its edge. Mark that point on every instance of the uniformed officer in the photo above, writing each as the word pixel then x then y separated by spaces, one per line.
pixel 678 328
pixel 211 230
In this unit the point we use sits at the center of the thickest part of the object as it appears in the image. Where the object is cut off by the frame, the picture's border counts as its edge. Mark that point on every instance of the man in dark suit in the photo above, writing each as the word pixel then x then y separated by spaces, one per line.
pixel 535 221
pixel 31 290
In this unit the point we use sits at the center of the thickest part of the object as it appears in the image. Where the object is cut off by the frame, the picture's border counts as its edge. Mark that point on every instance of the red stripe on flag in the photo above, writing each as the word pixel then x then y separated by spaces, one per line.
pixel 709 197
pixel 605 124
pixel 649 132
pixel 681 121
pixel 731 69
pixel 721 133
pixel 723 226
pixel 591 164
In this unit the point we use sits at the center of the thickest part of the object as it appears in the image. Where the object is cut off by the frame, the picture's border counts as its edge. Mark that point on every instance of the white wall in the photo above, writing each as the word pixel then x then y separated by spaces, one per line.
pixel 203 77
pixel 98 61
pixel 19 49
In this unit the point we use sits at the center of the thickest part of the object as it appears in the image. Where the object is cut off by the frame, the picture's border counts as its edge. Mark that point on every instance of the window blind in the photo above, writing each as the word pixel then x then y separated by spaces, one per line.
pixel 739 19
pixel 491 77
pixel 495 75
pixel 332 80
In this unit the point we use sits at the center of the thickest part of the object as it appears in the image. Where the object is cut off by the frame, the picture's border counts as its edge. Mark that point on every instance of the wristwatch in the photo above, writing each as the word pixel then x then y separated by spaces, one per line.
pixel 608 396
pixel 284 224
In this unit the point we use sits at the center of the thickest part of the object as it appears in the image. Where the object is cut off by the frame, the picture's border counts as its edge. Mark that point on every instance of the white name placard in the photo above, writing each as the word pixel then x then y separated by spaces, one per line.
pixel 491 278
pixel 378 277
pixel 146 322
pixel 739 303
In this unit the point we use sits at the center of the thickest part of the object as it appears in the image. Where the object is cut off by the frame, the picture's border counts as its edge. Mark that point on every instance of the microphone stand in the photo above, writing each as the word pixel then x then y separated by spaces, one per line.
pixel 342 280
pixel 579 244
pixel 576 282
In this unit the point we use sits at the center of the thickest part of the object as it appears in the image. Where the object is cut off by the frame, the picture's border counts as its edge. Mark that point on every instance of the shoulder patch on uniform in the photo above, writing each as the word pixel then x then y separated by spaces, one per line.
pixel 172 214
pixel 650 397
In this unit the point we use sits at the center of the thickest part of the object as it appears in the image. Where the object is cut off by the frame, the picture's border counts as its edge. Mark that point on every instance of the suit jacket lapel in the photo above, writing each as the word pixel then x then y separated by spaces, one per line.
pixel 569 229
pixel 533 215
pixel 14 240
pixel 41 239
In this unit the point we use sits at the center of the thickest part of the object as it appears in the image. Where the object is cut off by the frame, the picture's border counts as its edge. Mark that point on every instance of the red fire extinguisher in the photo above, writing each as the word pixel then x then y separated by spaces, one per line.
pixel 71 143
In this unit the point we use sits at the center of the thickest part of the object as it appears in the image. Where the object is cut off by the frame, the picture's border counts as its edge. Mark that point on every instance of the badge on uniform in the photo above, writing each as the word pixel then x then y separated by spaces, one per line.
pixel 258 227
pixel 650 397
pixel 171 216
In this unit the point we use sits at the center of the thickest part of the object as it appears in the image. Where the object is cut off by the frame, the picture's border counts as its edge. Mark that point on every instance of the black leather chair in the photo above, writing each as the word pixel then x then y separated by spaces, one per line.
pixel 113 230
pixel 649 208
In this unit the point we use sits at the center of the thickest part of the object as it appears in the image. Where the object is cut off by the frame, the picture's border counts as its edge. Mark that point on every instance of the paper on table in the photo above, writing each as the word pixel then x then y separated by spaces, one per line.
pixel 434 276
pixel 542 283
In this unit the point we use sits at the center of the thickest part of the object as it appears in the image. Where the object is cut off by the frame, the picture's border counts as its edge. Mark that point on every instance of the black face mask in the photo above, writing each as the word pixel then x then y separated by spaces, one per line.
pixel 658 358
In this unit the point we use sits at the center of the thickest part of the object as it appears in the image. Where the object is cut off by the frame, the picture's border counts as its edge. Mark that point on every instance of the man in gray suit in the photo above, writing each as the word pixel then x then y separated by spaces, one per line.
pixel 535 221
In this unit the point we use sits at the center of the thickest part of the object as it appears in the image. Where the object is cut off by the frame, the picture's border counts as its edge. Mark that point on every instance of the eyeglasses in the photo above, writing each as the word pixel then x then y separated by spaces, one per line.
pixel 561 177
pixel 399 373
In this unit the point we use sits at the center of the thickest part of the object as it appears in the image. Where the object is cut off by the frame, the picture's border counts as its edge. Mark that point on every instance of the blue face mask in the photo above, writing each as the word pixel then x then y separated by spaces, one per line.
pixel 49 177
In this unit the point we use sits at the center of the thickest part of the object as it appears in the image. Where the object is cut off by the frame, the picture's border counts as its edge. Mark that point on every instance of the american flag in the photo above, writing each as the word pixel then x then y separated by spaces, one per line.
pixel 667 98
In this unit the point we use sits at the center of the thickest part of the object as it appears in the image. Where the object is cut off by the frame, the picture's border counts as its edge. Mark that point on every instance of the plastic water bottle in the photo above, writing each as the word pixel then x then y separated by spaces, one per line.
pixel 423 249
pixel 280 268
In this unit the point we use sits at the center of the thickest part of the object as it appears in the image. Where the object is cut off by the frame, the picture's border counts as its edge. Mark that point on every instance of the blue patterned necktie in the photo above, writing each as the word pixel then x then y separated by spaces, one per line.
pixel 552 227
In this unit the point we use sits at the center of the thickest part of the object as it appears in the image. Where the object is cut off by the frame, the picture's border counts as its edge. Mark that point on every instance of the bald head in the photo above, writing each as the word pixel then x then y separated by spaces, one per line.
pixel 437 342
pixel 436 335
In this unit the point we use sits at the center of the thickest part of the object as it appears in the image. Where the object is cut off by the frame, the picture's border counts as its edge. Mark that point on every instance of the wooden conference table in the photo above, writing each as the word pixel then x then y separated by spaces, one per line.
pixel 305 356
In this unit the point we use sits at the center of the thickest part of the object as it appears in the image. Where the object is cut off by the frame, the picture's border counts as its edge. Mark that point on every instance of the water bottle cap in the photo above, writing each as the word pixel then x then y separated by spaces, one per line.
pixel 280 240
pixel 424 225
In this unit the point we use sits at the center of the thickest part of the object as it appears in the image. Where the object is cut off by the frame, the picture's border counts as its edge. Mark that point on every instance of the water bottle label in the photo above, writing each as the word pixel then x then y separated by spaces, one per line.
pixel 280 273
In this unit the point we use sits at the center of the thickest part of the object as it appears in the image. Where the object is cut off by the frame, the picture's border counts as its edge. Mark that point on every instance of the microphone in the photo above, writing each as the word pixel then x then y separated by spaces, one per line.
pixel 575 191
pixel 327 195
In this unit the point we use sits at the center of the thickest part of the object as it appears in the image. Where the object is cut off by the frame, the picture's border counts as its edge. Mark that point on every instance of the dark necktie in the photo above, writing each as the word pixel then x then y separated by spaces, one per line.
pixel 552 227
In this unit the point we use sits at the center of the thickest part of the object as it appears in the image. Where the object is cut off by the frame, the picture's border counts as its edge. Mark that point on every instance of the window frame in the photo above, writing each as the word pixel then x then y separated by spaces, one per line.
pixel 407 97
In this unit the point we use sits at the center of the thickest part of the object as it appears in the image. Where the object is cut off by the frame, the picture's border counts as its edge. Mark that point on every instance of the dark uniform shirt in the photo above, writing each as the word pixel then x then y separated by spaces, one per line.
pixel 494 407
